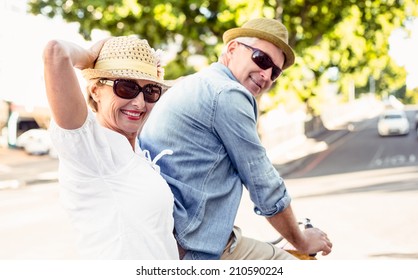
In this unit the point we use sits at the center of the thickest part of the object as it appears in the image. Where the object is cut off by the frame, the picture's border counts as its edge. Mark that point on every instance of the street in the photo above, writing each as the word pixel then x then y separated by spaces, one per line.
pixel 362 190
pixel 33 224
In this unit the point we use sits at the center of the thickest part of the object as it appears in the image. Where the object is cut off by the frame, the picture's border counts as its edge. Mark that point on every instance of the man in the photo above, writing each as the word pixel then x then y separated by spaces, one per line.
pixel 208 120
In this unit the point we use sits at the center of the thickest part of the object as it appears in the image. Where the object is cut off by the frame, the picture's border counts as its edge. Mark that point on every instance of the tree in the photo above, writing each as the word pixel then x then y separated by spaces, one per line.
pixel 339 41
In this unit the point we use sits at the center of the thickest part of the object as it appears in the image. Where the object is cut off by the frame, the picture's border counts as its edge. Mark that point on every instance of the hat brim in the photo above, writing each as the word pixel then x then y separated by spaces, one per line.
pixel 90 73
pixel 248 32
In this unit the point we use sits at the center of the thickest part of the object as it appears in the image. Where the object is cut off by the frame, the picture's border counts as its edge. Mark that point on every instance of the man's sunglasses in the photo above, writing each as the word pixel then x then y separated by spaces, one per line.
pixel 264 61
pixel 128 89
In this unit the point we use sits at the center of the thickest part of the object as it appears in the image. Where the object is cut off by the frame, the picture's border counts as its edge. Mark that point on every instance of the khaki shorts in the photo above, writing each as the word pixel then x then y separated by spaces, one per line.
pixel 243 248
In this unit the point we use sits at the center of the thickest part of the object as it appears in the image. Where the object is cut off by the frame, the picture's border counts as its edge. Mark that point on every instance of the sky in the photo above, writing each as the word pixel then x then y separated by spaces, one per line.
pixel 404 52
pixel 21 69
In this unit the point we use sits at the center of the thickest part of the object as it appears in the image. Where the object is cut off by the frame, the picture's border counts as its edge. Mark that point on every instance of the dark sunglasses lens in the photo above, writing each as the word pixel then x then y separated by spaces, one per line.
pixel 126 89
pixel 261 59
pixel 275 73
pixel 264 62
pixel 151 93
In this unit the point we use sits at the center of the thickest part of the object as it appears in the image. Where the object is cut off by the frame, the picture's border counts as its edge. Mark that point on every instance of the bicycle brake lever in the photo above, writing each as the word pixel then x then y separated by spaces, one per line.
pixel 308 224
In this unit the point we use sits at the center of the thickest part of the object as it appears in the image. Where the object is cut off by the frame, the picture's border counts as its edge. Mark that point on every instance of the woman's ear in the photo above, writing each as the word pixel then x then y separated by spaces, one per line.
pixel 94 92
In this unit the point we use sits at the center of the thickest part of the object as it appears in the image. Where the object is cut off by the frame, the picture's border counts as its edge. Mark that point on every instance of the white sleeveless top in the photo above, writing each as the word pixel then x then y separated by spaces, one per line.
pixel 116 199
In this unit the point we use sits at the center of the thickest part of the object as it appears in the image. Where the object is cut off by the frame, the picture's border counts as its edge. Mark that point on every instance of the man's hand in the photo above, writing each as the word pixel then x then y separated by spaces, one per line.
pixel 316 241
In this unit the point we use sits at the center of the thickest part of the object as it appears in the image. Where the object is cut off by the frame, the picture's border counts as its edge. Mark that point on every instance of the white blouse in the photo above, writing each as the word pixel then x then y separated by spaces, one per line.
pixel 118 202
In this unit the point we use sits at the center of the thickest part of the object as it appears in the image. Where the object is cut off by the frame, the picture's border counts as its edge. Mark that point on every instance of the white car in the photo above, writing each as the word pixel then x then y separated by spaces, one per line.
pixel 416 123
pixel 394 122
pixel 36 142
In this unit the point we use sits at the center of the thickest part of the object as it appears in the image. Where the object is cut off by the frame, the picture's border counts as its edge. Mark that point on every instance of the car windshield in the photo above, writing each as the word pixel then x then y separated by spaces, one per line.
pixel 388 117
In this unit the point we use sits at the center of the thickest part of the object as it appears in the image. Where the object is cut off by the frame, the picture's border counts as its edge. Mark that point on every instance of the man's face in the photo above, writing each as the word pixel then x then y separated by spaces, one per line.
pixel 247 72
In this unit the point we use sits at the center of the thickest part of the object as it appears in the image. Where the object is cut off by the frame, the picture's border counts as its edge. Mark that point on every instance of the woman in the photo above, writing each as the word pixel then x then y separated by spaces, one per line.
pixel 116 198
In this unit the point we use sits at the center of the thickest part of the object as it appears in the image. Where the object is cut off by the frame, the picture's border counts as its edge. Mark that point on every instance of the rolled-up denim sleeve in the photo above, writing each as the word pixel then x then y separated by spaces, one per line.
pixel 267 189
pixel 236 124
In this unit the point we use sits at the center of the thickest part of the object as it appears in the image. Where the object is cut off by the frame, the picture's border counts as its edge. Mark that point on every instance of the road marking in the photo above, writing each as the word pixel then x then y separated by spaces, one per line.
pixel 395 160
pixel 376 156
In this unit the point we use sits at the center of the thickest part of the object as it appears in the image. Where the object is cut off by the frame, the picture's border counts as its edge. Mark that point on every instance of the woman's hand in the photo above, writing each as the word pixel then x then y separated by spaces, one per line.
pixel 91 55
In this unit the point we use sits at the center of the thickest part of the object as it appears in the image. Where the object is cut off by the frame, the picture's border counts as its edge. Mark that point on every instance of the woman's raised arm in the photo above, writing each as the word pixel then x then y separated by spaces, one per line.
pixel 64 94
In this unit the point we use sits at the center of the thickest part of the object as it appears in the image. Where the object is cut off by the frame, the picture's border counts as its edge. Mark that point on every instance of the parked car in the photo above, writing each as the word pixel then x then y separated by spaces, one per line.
pixel 36 142
pixel 393 122
pixel 21 119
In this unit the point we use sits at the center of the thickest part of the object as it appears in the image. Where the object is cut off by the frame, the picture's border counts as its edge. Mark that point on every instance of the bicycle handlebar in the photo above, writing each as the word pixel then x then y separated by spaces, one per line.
pixel 308 224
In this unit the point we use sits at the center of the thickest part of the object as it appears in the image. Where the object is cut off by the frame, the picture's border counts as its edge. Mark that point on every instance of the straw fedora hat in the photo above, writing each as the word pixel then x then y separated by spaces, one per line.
pixel 270 30
pixel 127 57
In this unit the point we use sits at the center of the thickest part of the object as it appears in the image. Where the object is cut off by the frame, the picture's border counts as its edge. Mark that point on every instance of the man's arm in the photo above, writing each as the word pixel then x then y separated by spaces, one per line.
pixel 309 241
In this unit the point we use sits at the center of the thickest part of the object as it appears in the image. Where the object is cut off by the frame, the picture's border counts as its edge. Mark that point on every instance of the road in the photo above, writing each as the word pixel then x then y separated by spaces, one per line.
pixel 19 168
pixel 362 190
pixel 33 224
pixel 363 150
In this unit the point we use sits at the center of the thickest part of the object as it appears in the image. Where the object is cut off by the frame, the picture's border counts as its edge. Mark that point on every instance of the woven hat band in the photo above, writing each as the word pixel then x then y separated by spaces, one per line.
pixel 123 64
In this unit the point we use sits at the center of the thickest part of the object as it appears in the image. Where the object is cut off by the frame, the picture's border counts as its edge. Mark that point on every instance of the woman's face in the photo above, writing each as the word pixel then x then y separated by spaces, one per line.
pixel 126 116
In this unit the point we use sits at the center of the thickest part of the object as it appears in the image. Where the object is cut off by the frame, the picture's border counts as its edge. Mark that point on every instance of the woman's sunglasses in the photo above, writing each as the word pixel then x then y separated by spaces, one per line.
pixel 128 89
pixel 264 61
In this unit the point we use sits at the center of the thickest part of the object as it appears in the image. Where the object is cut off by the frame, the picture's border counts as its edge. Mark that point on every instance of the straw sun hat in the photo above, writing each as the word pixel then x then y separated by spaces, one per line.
pixel 127 57
pixel 270 30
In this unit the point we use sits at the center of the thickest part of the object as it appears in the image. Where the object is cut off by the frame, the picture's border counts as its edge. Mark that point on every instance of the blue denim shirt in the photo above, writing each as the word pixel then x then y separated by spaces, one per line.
pixel 209 120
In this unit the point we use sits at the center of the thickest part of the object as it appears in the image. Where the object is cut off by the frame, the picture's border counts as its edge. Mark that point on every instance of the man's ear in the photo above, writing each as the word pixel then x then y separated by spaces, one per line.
pixel 231 46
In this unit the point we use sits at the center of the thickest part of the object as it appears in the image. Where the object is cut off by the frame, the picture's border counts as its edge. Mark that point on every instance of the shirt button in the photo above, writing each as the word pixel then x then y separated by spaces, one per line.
pixel 258 212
